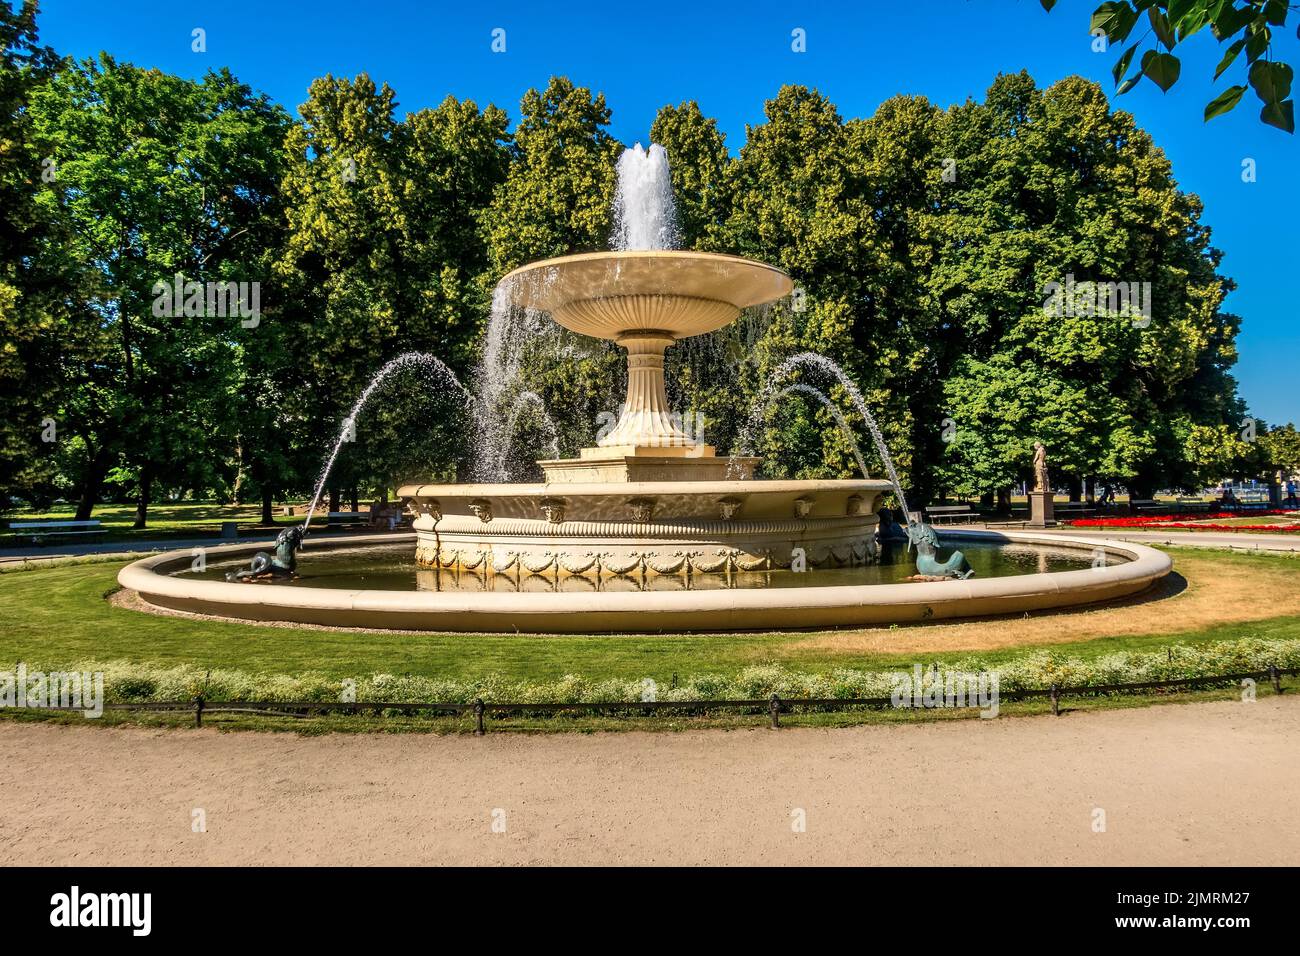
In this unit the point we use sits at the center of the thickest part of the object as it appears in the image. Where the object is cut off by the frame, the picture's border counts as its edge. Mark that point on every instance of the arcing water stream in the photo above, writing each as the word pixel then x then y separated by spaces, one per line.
pixel 826 369
pixel 439 372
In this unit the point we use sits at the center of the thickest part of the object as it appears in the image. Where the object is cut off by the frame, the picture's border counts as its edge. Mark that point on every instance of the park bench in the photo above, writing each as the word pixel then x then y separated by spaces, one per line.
pixel 1247 501
pixel 1192 504
pixel 343 517
pixel 1146 504
pixel 938 513
pixel 38 531
pixel 1074 509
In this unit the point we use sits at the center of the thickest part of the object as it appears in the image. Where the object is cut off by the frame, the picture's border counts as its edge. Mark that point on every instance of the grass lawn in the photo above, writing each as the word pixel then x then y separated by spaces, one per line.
pixel 165 521
pixel 57 615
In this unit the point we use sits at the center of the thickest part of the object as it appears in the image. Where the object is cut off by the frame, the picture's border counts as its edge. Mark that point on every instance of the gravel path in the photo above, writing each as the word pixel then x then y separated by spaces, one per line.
pixel 1210 783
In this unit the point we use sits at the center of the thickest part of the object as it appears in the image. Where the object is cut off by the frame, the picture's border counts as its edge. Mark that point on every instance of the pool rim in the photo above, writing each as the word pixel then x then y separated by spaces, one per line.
pixel 738 609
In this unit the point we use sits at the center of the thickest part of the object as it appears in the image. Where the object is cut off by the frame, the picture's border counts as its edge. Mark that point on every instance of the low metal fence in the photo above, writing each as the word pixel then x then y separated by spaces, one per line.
pixel 772 706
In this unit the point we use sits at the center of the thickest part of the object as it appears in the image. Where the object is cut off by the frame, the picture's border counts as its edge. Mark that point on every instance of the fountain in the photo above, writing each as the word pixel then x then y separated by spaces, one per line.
pixel 649 528
pixel 648 498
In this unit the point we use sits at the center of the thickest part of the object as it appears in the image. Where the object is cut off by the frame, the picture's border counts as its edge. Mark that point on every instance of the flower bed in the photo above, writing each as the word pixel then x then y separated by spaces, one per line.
pixel 1190 522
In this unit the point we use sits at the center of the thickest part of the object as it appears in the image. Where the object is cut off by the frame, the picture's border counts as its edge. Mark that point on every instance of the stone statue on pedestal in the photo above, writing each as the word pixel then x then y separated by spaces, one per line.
pixel 1040 468
pixel 1040 499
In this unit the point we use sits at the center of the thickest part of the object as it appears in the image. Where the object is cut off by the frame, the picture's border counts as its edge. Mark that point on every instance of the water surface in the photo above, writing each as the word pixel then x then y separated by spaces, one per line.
pixel 392 567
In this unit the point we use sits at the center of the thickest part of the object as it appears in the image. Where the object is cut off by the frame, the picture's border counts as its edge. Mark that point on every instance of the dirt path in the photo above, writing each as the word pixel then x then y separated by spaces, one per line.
pixel 1179 784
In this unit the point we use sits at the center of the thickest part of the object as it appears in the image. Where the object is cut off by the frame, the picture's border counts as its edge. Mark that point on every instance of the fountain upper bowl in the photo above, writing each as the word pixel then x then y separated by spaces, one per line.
pixel 610 295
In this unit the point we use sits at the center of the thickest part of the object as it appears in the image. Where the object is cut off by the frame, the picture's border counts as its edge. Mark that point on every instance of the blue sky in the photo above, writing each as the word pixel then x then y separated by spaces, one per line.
pixel 731 57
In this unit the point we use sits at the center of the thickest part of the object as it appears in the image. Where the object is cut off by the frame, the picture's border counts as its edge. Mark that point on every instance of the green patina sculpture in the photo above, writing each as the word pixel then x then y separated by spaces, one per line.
pixel 926 540
pixel 282 564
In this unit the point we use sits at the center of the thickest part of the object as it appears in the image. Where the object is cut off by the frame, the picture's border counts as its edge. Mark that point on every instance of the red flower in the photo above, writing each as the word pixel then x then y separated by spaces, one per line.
pixel 1193 522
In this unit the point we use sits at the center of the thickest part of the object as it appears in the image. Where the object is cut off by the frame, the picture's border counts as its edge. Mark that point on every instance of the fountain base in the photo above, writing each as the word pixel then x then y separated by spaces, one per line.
pixel 646 527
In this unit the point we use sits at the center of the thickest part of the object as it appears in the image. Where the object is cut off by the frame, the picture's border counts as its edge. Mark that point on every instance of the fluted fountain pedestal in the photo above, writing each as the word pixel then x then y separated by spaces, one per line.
pixel 648 442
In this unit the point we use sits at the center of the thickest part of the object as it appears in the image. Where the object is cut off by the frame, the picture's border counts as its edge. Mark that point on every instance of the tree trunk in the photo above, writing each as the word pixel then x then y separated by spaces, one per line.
pixel 1076 489
pixel 334 500
pixel 1090 490
pixel 1004 501
pixel 142 503
pixel 268 504
pixel 94 479
pixel 986 499
pixel 353 495
pixel 86 503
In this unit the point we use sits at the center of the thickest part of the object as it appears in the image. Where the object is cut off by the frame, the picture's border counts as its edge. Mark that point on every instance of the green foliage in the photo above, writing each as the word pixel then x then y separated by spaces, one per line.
pixel 156 176
pixel 1041 198
pixel 1241 24
pixel 383 256
pixel 921 241
pixel 809 191
pixel 41 329
pixel 697 156
pixel 556 200
pixel 556 197
pixel 1280 450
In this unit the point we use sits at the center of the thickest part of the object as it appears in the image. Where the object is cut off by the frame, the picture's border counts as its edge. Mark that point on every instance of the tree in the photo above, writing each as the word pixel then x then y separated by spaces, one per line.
pixel 704 373
pixel 698 160
pixel 923 244
pixel 1055 190
pixel 1280 451
pixel 556 198
pixel 846 209
pixel 1246 27
pixel 799 204
pixel 44 333
pixel 158 177
pixel 384 256
pixel 905 173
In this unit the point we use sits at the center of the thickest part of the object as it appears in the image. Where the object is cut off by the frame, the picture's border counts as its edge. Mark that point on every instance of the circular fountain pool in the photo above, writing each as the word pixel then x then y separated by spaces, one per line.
pixel 392 567
pixel 376 582
pixel 650 529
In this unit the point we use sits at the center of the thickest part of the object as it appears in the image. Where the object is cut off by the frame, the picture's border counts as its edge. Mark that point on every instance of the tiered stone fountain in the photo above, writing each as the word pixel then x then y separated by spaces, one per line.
pixel 634 533
pixel 648 499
